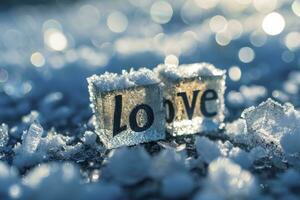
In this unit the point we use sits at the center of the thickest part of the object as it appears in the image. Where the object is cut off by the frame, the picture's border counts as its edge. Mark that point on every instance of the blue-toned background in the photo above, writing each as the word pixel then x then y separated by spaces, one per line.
pixel 48 50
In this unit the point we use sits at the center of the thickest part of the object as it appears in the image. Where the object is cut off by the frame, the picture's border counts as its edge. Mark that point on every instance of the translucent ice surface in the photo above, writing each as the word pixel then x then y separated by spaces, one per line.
pixel 273 126
pixel 128 107
pixel 193 97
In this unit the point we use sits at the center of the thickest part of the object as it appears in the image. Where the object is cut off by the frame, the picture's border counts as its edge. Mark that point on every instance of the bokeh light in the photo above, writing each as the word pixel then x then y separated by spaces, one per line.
pixel 292 40
pixel 217 23
pixel 265 6
pixel 246 54
pixel 171 60
pixel 55 39
pixel 37 59
pixel 296 7
pixel 161 12
pixel 117 22
pixel 273 23
pixel 258 39
pixel 235 73
pixel 207 4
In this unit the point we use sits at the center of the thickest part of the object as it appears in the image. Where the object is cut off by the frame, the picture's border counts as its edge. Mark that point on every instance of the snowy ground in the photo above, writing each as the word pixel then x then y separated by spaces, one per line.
pixel 48 149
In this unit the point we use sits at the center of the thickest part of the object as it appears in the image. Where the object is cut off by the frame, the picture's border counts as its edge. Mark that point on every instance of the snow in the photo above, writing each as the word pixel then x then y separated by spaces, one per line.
pixel 166 163
pixel 177 186
pixel 8 178
pixel 290 178
pixel 270 125
pixel 62 179
pixel 237 132
pixel 122 165
pixel 210 150
pixel 188 71
pixel 89 138
pixel 207 149
pixel 230 181
pixel 3 135
pixel 264 141
pixel 128 79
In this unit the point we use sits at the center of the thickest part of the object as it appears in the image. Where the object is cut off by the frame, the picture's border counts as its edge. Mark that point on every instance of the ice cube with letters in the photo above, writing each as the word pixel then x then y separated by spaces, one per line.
pixel 128 107
pixel 193 97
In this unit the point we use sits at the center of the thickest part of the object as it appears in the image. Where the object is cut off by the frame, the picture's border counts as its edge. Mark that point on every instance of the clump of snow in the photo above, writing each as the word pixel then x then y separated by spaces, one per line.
pixel 35 149
pixel 188 71
pixel 210 150
pixel 207 149
pixel 8 179
pixel 107 191
pixel 128 166
pixel 89 138
pixel 62 179
pixel 168 162
pixel 131 78
pixel 3 135
pixel 177 185
pixel 290 178
pixel 230 181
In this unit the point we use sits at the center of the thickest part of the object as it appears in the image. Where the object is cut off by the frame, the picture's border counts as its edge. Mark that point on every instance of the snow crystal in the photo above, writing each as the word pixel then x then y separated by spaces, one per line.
pixel 237 132
pixel 229 180
pixel 188 71
pixel 3 135
pixel 31 139
pixel 177 185
pixel 113 81
pixel 270 125
pixel 128 166
pixel 265 117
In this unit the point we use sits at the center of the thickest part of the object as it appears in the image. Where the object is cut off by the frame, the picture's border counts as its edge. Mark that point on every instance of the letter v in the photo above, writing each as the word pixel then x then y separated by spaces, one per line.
pixel 189 108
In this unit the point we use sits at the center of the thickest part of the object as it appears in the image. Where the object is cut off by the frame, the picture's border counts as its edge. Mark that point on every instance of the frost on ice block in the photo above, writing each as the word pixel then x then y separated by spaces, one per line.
pixel 128 107
pixel 193 97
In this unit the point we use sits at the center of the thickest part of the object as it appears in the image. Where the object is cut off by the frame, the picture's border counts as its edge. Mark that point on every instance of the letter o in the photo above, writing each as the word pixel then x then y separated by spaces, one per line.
pixel 132 118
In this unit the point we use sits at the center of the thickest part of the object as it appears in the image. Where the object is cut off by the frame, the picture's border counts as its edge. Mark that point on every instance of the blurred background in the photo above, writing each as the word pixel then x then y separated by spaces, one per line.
pixel 49 48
